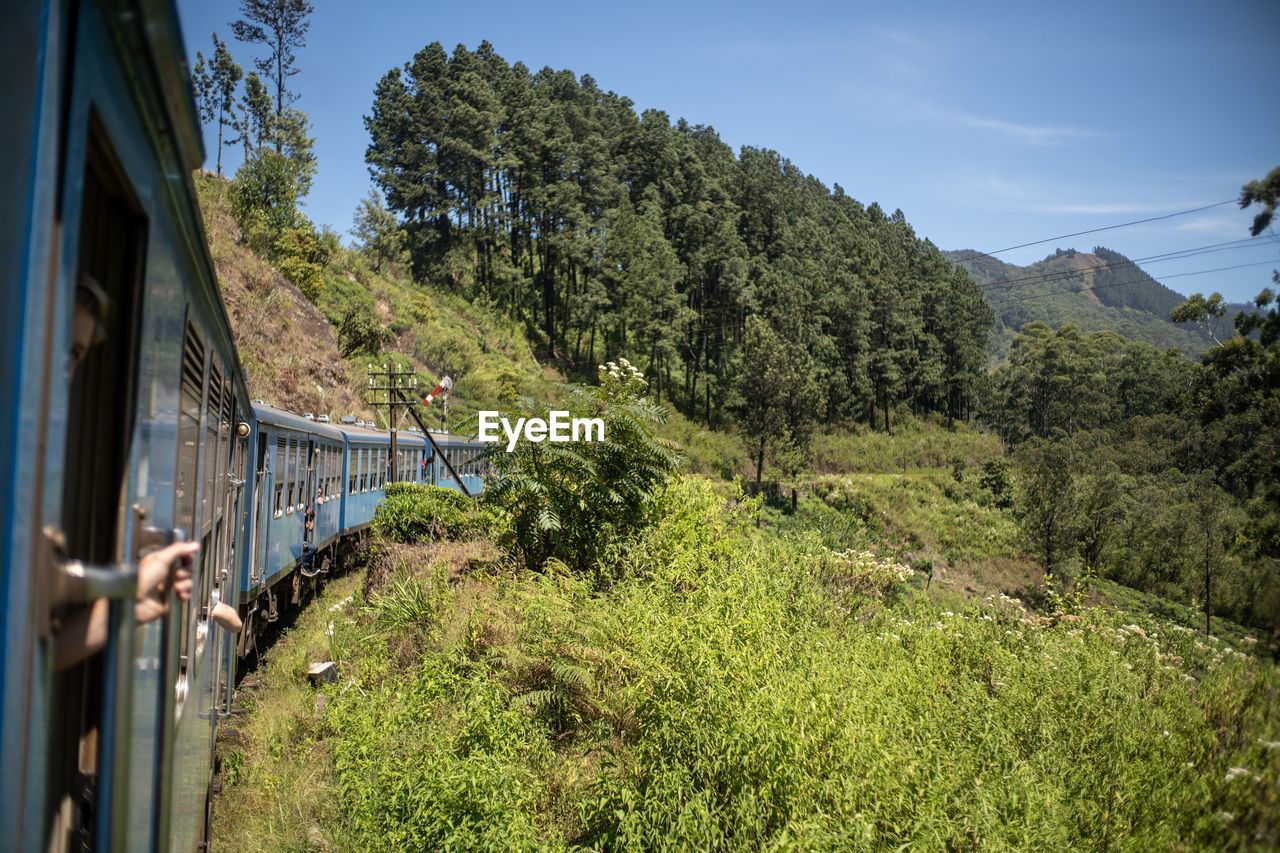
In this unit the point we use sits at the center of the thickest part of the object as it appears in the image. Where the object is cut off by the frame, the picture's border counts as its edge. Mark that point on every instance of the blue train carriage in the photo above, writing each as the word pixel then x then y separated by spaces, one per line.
pixel 293 523
pixel 146 438
pixel 368 469
pixel 466 455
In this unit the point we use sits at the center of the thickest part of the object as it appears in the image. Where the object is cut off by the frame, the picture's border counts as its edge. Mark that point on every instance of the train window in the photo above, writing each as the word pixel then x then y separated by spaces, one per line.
pixel 191 401
pixel 189 428
pixel 351 473
pixel 281 466
pixel 209 450
pixel 292 484
pixel 111 252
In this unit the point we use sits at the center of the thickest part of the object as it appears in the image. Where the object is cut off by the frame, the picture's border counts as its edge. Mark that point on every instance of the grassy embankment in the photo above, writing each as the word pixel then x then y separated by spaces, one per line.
pixel 743 688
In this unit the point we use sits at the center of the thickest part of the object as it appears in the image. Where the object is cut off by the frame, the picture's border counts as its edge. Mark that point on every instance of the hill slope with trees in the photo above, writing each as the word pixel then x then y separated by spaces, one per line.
pixel 1096 291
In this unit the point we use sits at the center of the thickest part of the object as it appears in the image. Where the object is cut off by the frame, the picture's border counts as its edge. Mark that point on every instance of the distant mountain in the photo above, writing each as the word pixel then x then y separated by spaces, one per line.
pixel 1095 290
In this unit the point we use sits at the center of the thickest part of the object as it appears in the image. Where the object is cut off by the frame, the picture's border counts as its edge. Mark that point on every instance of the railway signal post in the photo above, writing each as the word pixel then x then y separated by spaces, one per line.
pixel 386 387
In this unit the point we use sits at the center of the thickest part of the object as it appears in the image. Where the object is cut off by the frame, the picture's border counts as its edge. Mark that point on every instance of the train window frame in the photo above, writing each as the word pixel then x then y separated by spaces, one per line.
pixel 281 466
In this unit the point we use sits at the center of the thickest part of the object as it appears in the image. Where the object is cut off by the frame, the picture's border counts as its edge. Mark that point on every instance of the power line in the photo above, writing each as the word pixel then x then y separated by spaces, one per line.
pixel 1016 299
pixel 995 252
pixel 1163 256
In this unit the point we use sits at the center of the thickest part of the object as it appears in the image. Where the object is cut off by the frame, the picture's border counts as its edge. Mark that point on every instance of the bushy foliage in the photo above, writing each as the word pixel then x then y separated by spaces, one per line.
pixel 381 239
pixel 301 255
pixel 360 332
pixel 421 512
pixel 579 502
pixel 756 691
pixel 264 198
pixel 995 480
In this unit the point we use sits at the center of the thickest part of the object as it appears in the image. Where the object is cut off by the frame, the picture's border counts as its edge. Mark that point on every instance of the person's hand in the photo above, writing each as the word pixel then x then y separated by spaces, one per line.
pixel 155 580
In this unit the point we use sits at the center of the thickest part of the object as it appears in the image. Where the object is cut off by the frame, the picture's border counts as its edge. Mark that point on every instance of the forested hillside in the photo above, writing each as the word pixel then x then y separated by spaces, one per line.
pixel 611 233
pixel 1096 291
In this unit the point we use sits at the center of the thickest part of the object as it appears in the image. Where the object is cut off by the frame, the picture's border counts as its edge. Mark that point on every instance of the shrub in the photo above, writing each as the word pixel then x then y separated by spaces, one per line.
pixel 360 332
pixel 264 196
pixel 301 255
pixel 995 479
pixel 580 502
pixel 418 512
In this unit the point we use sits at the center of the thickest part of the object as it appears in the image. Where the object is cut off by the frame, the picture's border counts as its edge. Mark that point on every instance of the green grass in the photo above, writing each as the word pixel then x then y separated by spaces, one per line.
pixel 913 444
pixel 744 689
pixel 275 767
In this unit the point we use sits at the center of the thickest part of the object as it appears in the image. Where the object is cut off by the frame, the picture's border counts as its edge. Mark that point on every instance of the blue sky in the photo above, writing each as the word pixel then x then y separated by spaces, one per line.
pixel 989 125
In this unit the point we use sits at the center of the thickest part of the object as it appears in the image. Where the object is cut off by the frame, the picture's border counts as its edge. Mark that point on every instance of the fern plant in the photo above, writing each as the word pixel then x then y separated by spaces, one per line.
pixel 579 502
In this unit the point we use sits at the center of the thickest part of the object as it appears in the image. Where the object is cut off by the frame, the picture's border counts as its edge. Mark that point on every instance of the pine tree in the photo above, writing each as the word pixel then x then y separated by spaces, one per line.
pixel 281 26
pixel 224 77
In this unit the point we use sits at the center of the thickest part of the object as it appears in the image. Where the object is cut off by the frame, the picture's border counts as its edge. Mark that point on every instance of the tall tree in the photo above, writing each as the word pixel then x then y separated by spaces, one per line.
pixel 256 114
pixel 381 239
pixel 202 90
pixel 224 77
pixel 281 26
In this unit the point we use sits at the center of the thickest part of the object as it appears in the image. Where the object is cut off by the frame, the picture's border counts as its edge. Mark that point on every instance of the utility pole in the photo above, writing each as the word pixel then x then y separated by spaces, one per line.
pixel 385 387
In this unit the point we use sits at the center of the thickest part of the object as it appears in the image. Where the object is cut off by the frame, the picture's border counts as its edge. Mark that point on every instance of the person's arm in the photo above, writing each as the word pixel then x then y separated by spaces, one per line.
pixel 226 616
pixel 81 634
pixel 84 632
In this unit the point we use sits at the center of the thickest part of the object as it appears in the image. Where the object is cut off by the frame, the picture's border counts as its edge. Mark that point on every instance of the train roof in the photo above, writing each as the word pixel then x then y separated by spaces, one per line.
pixel 279 417
pixel 360 434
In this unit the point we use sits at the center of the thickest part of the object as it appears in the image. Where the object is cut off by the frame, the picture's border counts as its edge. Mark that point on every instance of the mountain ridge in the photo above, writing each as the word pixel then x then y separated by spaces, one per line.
pixel 1099 290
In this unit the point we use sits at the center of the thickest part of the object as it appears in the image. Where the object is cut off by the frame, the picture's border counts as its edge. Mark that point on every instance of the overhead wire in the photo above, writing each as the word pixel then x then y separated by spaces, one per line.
pixel 995 303
pixel 995 252
pixel 1158 258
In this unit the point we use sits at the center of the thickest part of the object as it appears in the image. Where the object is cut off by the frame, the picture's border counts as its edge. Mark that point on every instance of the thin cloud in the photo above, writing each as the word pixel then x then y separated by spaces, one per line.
pixel 1027 134
pixel 1119 208
pixel 1229 225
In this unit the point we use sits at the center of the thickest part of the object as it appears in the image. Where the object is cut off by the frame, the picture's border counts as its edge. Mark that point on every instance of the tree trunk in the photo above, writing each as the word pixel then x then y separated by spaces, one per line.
pixel 1208 614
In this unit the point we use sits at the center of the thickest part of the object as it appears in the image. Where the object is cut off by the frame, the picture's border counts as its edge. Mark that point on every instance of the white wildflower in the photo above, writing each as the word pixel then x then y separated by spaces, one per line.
pixel 1235 773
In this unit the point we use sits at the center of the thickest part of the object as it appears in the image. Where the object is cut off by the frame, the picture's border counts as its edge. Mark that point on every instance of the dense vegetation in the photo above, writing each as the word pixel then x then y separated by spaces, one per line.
pixel 738 688
pixel 611 234
pixel 1147 467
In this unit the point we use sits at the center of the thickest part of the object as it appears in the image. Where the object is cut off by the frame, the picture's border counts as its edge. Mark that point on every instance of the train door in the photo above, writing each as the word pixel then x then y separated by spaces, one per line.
pixel 88 695
pixel 311 482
